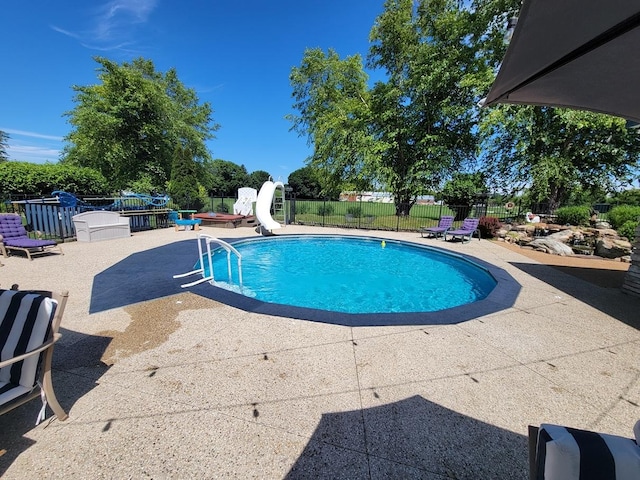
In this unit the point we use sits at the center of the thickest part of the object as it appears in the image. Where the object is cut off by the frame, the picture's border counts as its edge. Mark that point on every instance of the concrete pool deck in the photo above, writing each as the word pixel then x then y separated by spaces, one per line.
pixel 186 387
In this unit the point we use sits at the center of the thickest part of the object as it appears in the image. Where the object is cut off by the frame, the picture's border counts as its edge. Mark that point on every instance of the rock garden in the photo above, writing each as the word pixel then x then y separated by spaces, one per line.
pixel 576 231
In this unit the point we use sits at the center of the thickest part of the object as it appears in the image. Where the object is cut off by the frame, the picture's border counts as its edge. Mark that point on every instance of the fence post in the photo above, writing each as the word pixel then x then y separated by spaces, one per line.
pixel 324 209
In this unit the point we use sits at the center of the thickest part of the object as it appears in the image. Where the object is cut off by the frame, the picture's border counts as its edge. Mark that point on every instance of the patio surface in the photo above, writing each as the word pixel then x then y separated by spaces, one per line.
pixel 183 386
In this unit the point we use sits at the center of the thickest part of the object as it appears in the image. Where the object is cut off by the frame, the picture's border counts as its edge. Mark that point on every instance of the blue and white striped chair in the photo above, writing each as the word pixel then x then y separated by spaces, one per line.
pixel 29 323
pixel 563 453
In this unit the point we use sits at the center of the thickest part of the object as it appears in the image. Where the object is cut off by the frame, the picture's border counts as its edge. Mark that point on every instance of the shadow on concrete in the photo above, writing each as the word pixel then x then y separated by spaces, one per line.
pixel 143 276
pixel 412 438
pixel 148 275
pixel 75 370
pixel 598 276
pixel 575 281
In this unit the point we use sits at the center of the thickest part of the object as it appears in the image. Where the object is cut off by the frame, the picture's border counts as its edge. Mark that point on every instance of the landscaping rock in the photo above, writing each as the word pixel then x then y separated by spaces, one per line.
pixel 563 236
pixel 607 232
pixel 552 246
pixel 514 236
pixel 608 247
pixel 602 225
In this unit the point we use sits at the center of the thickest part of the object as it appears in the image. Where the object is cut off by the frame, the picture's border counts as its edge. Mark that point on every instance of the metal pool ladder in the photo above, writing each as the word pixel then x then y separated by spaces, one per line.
pixel 208 240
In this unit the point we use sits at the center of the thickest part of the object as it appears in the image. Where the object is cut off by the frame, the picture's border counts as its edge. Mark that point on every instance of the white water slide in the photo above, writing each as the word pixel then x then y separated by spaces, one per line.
pixel 263 206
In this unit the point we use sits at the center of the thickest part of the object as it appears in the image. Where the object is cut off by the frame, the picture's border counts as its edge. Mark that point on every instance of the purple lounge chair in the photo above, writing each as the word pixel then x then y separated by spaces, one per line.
pixel 445 223
pixel 13 236
pixel 468 228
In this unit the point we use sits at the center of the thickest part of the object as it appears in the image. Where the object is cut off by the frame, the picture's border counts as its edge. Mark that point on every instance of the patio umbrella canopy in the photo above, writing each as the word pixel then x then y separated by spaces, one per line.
pixel 580 54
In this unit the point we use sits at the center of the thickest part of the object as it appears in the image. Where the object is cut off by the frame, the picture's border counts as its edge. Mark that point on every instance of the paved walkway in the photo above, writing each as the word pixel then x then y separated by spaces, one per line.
pixel 186 387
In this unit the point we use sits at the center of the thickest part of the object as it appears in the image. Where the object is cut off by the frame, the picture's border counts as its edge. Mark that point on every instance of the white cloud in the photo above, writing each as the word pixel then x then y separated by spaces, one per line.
pixel 64 32
pixel 32 153
pixel 112 25
pixel 35 147
pixel 24 133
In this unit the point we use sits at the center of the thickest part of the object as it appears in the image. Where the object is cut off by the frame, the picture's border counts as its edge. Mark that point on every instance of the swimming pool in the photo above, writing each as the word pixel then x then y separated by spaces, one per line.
pixel 358 275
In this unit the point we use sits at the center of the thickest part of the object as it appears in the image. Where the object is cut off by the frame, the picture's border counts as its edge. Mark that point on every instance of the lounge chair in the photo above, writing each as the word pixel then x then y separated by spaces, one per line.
pixel 445 223
pixel 468 228
pixel 557 452
pixel 13 236
pixel 29 323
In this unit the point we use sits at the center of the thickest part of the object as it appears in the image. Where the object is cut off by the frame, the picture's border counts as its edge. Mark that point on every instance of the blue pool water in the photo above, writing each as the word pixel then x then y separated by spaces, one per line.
pixel 352 274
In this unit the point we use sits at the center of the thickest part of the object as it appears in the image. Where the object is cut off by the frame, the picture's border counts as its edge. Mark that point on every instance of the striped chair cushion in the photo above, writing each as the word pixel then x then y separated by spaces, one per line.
pixel 569 454
pixel 25 324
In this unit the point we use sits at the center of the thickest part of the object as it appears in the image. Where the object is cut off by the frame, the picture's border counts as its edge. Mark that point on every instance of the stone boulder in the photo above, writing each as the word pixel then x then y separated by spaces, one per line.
pixel 552 246
pixel 602 225
pixel 610 247
pixel 607 232
pixel 514 236
pixel 563 236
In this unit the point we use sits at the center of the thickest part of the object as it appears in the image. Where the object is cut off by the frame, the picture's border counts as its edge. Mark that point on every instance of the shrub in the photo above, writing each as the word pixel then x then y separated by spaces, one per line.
pixel 355 211
pixel 35 179
pixel 622 214
pixel 578 215
pixel 325 209
pixel 628 229
pixel 222 208
pixel 488 226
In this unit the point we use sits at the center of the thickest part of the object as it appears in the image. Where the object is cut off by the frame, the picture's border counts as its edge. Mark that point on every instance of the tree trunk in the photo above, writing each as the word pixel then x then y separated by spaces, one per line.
pixel 462 211
pixel 556 197
pixel 403 204
pixel 403 209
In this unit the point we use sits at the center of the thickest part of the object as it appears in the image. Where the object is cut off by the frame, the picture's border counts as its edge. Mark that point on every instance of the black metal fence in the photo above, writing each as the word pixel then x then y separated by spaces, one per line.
pixel 388 216
pixel 46 216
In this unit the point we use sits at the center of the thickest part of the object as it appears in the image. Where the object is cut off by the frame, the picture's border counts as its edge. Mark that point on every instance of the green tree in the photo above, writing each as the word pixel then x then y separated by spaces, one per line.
pixel 333 105
pixel 408 132
pixel 558 151
pixel 257 178
pixel 627 197
pixel 184 187
pixel 224 178
pixel 461 191
pixel 305 183
pixel 129 124
pixel 425 111
pixel 4 144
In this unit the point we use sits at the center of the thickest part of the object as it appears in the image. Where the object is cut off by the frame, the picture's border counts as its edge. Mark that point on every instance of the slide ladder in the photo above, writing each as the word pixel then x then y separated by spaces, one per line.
pixel 205 255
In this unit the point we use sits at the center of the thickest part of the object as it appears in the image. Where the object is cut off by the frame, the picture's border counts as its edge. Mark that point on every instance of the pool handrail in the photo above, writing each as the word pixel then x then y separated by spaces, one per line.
pixel 198 270
pixel 229 249
pixel 208 240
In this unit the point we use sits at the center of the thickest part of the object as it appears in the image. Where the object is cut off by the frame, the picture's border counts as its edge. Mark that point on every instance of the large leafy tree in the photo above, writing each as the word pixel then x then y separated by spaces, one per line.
pixel 224 178
pixel 333 104
pixel 554 152
pixel 425 112
pixel 257 178
pixel 305 183
pixel 129 124
pixel 4 144
pixel 412 130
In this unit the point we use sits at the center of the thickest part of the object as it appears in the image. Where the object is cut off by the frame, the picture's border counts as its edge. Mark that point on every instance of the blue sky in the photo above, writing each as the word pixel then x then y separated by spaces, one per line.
pixel 236 55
